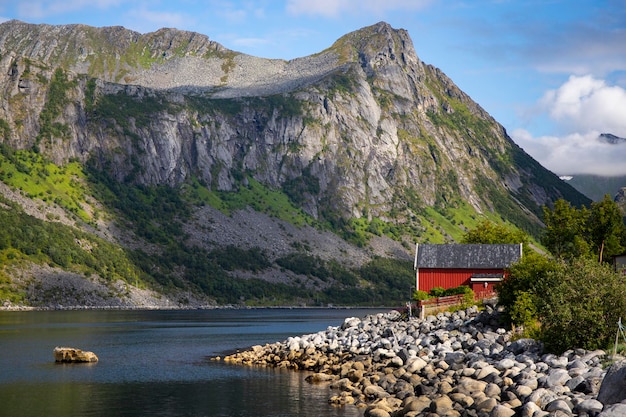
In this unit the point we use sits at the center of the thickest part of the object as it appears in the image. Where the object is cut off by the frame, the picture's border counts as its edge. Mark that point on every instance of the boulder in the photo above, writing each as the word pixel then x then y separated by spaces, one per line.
pixel 501 411
pixel 613 388
pixel 589 407
pixel 614 410
pixel 525 346
pixel 71 355
pixel 320 377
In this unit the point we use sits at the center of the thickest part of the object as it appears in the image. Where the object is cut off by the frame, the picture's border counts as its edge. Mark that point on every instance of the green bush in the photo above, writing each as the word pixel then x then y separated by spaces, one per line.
pixel 437 292
pixel 421 295
pixel 581 306
pixel 461 289
pixel 441 292
pixel 468 294
pixel 529 276
pixel 524 310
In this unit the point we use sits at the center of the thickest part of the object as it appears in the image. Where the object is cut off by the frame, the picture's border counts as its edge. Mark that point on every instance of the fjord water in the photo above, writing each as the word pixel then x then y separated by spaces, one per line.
pixel 157 363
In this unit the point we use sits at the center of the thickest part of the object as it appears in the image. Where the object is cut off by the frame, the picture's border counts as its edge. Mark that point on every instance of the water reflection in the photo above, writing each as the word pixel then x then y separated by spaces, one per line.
pixel 154 364
pixel 261 392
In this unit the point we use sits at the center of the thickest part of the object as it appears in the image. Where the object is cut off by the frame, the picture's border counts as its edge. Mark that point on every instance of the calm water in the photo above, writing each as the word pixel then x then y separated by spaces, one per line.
pixel 155 363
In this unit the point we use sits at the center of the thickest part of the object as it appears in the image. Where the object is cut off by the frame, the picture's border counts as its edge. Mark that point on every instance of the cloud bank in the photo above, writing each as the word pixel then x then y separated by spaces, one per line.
pixel 583 108
pixel 585 103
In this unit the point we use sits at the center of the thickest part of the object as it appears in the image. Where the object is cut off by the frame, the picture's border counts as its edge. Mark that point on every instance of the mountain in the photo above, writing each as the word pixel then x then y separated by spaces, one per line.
pixel 214 173
pixel 596 186
pixel 611 139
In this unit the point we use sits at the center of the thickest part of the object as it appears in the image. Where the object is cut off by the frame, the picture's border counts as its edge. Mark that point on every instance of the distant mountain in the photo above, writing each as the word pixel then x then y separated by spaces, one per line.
pixel 243 179
pixel 596 186
pixel 612 139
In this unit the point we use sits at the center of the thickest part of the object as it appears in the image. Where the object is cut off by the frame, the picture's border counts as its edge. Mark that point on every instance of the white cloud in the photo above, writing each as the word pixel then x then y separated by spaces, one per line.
pixel 583 108
pixel 574 153
pixel 585 103
pixel 335 8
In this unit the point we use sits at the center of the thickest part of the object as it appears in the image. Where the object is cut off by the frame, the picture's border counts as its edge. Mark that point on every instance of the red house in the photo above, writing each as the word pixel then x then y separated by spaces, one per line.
pixel 478 266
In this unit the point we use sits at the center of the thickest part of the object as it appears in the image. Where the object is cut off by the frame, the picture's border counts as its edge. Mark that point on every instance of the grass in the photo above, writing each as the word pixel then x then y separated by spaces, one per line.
pixel 259 197
pixel 38 178
pixel 24 238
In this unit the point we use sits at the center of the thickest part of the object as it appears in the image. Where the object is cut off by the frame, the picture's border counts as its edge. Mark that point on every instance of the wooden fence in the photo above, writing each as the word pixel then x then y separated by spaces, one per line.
pixel 435 305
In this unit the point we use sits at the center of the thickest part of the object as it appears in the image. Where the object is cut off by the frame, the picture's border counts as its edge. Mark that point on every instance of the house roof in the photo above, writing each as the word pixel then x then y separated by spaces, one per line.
pixel 471 256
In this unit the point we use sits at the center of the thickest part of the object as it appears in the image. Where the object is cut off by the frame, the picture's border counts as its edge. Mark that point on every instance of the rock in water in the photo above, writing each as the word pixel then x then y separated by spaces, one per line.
pixel 71 355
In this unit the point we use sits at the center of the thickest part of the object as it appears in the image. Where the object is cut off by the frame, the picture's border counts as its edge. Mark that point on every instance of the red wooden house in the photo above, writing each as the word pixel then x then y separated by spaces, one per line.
pixel 478 266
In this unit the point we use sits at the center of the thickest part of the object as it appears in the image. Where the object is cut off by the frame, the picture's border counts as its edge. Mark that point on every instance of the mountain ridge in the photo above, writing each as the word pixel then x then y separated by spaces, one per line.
pixel 363 140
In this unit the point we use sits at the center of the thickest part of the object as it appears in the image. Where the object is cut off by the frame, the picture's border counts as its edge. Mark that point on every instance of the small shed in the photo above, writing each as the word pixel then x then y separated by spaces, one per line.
pixel 619 263
pixel 479 266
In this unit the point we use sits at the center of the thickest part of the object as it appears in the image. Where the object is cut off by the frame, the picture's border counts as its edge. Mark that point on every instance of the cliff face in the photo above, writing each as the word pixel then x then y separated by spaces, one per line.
pixel 169 162
pixel 362 129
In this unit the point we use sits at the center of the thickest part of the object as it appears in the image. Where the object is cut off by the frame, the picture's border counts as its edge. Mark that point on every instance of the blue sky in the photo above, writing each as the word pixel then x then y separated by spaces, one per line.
pixel 552 72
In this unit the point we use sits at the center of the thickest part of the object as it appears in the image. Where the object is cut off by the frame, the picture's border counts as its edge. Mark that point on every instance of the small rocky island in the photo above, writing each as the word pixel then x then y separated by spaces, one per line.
pixel 73 355
pixel 460 364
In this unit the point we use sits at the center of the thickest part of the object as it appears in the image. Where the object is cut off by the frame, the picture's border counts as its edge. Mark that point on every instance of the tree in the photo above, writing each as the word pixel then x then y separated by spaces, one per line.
pixel 526 279
pixel 487 232
pixel 565 230
pixel 606 226
pixel 581 306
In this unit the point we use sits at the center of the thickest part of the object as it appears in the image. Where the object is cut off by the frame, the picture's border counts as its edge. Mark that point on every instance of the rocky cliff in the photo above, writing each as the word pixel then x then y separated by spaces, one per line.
pixel 362 132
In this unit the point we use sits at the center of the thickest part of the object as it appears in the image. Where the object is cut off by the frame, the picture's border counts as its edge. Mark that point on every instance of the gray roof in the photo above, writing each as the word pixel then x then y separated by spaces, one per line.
pixel 472 256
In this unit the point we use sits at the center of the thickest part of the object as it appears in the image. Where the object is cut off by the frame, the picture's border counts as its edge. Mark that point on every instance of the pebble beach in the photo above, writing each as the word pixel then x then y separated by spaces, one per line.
pixel 451 364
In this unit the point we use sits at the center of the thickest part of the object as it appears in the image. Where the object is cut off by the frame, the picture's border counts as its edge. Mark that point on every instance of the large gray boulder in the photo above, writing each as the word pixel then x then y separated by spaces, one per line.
pixel 614 410
pixel 613 388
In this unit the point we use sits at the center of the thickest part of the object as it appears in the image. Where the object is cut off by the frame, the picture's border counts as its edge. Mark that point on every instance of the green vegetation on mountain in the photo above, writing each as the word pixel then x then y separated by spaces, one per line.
pixel 122 108
pixel 25 238
pixel 39 179
pixel 156 214
pixel 346 158
pixel 56 101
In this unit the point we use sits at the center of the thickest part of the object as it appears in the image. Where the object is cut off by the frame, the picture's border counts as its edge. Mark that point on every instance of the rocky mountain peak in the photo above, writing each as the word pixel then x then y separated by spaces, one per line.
pixel 611 139
pixel 111 53
pixel 348 132
pixel 375 46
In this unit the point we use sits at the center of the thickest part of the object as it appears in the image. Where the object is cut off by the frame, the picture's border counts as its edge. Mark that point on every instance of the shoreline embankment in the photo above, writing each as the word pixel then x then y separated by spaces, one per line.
pixel 446 365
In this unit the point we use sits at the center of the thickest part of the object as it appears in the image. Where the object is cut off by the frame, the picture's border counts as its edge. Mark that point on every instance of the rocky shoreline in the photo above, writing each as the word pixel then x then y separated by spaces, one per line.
pixel 451 364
